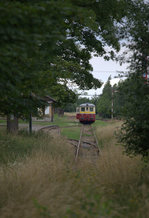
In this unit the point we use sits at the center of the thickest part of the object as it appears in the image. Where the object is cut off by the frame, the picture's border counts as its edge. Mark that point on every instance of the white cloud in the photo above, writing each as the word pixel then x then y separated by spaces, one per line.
pixel 116 81
pixel 102 70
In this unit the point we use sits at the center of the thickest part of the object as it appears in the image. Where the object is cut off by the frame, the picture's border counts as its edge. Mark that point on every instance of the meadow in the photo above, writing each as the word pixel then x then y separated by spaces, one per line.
pixel 39 178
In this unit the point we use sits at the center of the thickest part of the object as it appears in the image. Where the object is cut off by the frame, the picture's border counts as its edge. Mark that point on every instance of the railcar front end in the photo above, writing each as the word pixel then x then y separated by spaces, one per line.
pixel 86 113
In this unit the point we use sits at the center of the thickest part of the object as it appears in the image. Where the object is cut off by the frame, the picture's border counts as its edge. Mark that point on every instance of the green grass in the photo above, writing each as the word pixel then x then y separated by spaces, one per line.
pixel 2 121
pixel 13 147
pixel 60 121
pixel 100 123
pixel 71 133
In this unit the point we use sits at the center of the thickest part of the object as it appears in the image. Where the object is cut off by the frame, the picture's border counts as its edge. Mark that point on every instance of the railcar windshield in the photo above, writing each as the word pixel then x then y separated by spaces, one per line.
pixel 82 108
pixel 91 109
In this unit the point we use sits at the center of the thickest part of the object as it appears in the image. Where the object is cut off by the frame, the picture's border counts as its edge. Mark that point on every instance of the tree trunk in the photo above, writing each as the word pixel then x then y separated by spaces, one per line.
pixel 51 112
pixel 30 123
pixel 43 110
pixel 12 124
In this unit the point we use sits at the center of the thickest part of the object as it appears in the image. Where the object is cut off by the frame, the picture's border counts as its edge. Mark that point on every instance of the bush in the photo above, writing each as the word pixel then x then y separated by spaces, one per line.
pixel 134 131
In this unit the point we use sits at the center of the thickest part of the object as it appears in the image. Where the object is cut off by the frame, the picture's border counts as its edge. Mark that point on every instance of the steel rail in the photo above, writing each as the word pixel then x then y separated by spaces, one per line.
pixel 93 145
pixel 96 140
pixel 79 144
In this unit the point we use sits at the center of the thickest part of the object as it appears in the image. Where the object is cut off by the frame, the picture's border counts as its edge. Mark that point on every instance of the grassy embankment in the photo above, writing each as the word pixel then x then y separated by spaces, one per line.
pixel 45 182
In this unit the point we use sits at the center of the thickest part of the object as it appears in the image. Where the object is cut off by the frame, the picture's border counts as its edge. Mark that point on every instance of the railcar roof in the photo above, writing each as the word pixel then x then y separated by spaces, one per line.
pixel 87 105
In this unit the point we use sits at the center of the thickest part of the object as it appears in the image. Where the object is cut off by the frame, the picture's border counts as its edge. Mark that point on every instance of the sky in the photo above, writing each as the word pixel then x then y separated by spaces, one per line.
pixel 102 70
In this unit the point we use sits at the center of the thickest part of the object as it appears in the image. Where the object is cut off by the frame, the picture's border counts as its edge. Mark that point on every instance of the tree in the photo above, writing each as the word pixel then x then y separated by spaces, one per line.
pixel 71 107
pixel 40 38
pixel 94 100
pixel 134 132
pixel 63 95
pixel 105 101
pixel 119 98
pixel 25 39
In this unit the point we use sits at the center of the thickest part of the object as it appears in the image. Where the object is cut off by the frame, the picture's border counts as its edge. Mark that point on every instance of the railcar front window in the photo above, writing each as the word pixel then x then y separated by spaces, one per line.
pixel 91 108
pixel 82 109
pixel 87 108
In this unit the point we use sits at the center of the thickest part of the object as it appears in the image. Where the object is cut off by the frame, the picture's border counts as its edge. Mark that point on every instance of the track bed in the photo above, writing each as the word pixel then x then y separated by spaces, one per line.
pixel 87 147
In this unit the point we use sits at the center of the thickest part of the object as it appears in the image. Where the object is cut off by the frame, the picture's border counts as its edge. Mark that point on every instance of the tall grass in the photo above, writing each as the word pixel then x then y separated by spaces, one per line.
pixel 17 146
pixel 48 183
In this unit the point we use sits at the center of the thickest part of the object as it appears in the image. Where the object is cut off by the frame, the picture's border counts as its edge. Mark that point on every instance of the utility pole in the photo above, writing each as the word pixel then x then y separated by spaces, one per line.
pixel 147 68
pixel 30 123
pixel 112 103
pixel 30 118
pixel 51 111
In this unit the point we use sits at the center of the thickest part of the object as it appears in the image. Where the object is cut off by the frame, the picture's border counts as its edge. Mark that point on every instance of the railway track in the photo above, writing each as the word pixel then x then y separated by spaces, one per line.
pixel 88 144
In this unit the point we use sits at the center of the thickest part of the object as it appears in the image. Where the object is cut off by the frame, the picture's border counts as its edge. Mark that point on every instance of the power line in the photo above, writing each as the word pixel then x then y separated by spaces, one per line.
pixel 108 71
pixel 89 95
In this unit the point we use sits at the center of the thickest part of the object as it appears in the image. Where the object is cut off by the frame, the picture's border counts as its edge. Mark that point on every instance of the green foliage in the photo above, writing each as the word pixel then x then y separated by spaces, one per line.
pixel 80 100
pixel 134 132
pixel 25 43
pixel 45 41
pixel 105 100
pixel 136 30
pixel 118 100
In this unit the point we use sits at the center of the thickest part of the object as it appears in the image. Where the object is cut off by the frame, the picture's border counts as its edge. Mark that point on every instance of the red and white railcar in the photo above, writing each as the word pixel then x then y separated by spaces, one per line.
pixel 85 113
